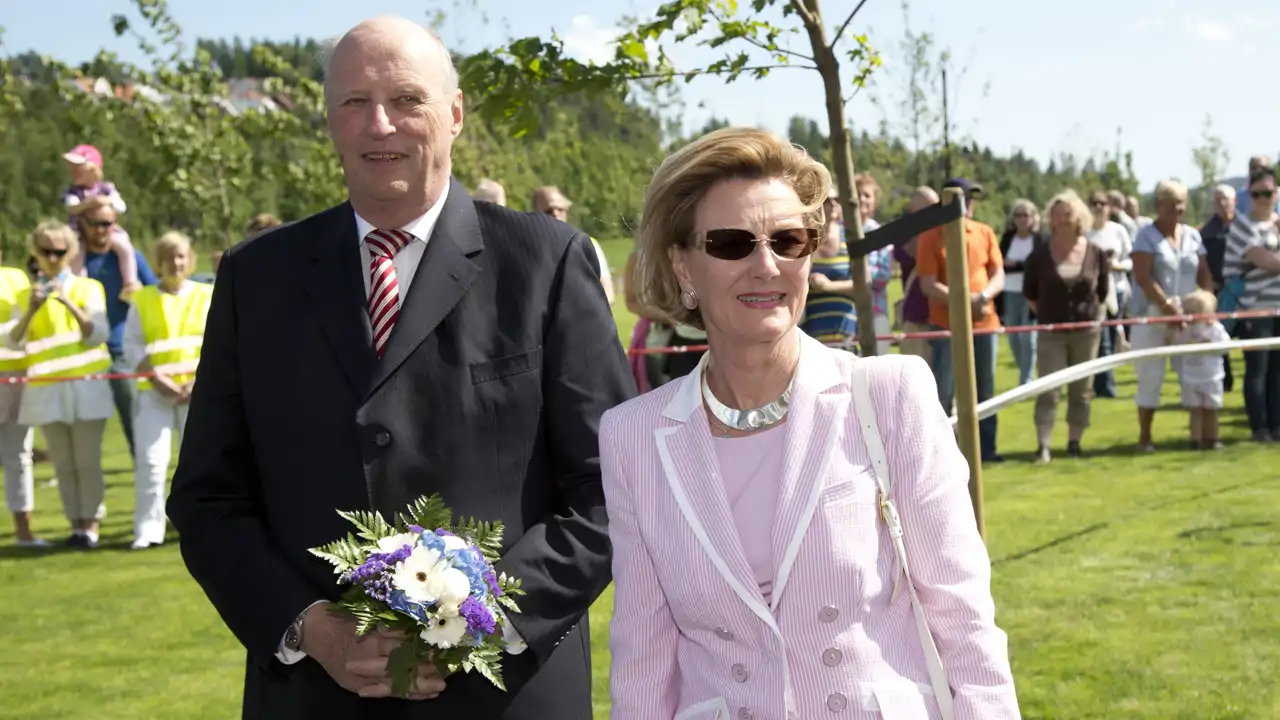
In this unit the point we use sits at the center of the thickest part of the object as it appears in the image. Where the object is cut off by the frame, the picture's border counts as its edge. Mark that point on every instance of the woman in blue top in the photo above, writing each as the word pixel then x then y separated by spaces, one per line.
pixel 1168 262
pixel 829 315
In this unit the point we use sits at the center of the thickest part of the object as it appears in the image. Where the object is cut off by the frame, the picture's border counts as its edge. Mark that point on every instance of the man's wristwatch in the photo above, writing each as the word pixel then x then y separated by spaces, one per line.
pixel 985 295
pixel 293 636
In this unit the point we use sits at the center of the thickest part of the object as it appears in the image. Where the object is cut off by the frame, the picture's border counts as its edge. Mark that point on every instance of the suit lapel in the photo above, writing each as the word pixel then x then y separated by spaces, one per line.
pixel 444 274
pixel 688 459
pixel 815 423
pixel 336 289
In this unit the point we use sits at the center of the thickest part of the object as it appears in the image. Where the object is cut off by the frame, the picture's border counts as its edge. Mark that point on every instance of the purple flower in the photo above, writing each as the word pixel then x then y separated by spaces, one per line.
pixel 479 619
pixel 375 574
pixel 444 533
pixel 492 580
pixel 416 530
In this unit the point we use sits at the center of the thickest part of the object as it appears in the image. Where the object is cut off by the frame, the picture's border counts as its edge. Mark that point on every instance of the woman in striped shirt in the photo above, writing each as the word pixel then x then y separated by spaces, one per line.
pixel 829 315
pixel 1253 254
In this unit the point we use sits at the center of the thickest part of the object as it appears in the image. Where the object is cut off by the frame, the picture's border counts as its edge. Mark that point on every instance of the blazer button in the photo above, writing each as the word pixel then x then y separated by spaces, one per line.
pixel 740 673
pixel 723 634
pixel 382 438
pixel 832 657
pixel 837 702
pixel 828 614
pixel 745 714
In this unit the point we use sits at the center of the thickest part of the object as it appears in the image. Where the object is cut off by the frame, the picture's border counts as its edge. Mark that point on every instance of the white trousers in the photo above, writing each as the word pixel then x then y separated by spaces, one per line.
pixel 883 327
pixel 1151 371
pixel 15 453
pixel 154 424
pixel 75 449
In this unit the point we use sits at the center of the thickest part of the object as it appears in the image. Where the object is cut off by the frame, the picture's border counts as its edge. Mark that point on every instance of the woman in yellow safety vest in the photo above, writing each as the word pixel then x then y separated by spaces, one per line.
pixel 61 322
pixel 162 335
pixel 15 438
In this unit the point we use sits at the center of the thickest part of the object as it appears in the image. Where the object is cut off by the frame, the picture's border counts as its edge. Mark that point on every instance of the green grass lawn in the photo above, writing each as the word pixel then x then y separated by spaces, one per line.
pixel 1130 586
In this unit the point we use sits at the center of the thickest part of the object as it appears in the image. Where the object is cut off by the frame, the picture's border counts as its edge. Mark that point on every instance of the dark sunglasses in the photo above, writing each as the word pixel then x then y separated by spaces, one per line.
pixel 1261 194
pixel 53 253
pixel 554 210
pixel 103 224
pixel 737 244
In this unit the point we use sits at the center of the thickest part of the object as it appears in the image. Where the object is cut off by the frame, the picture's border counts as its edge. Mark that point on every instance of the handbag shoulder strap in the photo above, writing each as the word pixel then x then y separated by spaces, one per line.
pixel 866 412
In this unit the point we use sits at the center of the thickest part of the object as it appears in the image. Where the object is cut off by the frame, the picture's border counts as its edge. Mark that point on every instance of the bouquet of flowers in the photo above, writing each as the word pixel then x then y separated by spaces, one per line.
pixel 433 580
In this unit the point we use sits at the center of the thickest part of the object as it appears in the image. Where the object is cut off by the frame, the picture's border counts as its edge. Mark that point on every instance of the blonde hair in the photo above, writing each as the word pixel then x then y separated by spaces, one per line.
pixel 1199 302
pixel 54 230
pixel 683 180
pixel 1170 190
pixel 543 195
pixel 862 180
pixel 1079 211
pixel 1117 198
pixel 490 191
pixel 1025 205
pixel 168 244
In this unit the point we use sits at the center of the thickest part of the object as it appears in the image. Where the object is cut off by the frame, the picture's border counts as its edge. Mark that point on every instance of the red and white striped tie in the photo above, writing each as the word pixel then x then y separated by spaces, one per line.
pixel 384 293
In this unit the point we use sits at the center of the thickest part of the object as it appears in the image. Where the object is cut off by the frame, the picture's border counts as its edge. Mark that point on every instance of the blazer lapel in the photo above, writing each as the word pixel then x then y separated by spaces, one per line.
pixel 688 459
pixel 336 289
pixel 819 404
pixel 444 274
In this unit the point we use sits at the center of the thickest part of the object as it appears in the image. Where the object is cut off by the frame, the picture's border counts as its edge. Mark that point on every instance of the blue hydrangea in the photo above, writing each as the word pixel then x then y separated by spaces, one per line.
pixel 400 603
pixel 431 541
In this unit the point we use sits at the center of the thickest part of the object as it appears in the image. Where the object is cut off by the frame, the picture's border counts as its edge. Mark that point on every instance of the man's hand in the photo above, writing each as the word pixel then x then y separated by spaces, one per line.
pixel 359 664
pixel 979 305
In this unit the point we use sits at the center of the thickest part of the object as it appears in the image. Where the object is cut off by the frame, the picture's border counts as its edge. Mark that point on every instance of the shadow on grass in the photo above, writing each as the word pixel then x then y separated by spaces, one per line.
pixel 1052 543
pixel 1224 533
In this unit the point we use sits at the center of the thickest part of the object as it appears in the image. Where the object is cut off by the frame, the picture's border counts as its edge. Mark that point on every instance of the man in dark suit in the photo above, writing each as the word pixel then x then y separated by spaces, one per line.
pixel 410 341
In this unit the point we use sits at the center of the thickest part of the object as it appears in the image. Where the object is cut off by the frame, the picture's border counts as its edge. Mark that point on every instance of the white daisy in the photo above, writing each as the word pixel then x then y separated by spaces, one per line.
pixel 395 542
pixel 444 632
pixel 419 575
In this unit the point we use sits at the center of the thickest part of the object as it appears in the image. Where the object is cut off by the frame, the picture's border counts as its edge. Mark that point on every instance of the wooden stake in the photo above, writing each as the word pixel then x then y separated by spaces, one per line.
pixel 961 317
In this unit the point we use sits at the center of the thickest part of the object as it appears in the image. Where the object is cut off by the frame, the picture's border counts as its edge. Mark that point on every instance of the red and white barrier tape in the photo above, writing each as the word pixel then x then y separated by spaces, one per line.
pixel 896 338
pixel 25 380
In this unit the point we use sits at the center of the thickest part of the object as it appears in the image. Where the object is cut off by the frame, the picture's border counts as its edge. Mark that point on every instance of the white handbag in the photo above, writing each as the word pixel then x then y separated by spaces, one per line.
pixel 880 468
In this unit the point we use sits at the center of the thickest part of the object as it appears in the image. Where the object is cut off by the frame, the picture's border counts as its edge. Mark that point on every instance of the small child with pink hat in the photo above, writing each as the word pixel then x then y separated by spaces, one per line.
pixel 84 163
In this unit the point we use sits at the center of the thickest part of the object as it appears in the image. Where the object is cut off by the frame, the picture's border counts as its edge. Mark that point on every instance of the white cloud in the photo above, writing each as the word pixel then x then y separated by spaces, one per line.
pixel 1211 30
pixel 588 41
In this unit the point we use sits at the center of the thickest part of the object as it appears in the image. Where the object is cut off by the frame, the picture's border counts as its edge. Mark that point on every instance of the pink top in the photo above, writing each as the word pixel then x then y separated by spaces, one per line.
pixel 751 470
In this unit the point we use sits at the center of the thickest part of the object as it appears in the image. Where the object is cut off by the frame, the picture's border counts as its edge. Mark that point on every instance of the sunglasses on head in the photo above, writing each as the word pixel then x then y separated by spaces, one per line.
pixel 737 244
pixel 52 252
pixel 1261 194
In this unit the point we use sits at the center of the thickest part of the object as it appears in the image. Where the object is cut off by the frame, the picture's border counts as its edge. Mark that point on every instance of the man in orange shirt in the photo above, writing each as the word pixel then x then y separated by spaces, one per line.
pixel 986 281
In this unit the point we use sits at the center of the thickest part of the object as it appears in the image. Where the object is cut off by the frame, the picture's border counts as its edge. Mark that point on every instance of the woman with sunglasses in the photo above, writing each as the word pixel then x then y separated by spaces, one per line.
pixel 1169 261
pixel 754 568
pixel 61 322
pixel 1116 243
pixel 1021 236
pixel 1253 256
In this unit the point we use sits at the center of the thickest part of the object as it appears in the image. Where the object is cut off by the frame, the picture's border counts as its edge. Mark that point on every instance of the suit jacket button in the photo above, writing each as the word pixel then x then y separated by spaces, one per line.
pixel 832 657
pixel 740 673
pixel 382 438
pixel 723 634
pixel 836 702
pixel 828 614
pixel 745 714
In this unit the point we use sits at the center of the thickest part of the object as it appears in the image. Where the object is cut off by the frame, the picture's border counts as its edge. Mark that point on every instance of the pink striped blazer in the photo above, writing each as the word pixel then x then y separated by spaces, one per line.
pixel 692 637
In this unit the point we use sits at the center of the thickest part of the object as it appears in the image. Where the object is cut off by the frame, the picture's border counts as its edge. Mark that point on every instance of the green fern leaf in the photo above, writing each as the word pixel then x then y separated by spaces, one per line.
pixel 506 602
pixel 344 553
pixel 372 525
pixel 428 512
pixel 488 667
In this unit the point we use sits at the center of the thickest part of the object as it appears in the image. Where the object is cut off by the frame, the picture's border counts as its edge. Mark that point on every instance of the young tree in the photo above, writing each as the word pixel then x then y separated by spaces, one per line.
pixel 530 72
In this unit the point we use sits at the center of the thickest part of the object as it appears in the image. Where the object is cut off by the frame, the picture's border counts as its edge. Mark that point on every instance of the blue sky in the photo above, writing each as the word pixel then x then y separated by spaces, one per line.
pixel 1061 77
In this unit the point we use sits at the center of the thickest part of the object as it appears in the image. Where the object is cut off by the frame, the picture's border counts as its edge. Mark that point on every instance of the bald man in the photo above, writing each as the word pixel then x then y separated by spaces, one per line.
pixel 407 342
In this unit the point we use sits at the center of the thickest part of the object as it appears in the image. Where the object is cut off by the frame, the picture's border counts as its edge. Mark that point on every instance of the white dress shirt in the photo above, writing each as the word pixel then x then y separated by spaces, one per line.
pixel 406 266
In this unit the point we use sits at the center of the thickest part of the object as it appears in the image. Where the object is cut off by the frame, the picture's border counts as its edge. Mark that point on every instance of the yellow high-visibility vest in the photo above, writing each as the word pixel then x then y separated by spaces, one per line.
pixel 173 329
pixel 12 282
pixel 55 345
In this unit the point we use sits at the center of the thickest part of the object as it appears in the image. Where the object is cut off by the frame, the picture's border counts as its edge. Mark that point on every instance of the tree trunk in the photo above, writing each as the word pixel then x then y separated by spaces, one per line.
pixel 842 157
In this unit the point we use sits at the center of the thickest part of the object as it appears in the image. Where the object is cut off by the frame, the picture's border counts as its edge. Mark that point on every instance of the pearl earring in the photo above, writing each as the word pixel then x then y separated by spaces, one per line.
pixel 689 300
